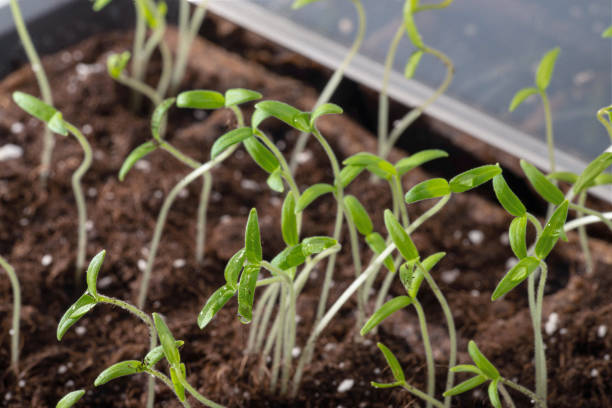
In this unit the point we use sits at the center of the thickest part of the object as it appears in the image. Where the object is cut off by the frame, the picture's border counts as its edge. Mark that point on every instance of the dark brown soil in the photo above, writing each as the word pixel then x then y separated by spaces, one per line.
pixel 35 223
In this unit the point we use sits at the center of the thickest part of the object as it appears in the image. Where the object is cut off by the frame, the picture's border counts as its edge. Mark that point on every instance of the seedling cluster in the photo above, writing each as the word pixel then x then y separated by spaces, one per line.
pixel 272 310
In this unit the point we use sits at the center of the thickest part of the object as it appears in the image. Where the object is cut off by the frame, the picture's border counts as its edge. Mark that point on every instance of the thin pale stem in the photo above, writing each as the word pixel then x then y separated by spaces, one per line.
pixel 10 271
pixel 80 198
pixel 166 73
pixel 194 393
pixel 431 369
pixel 361 296
pixel 584 238
pixel 418 393
pixel 140 87
pixel 262 304
pixel 138 64
pixel 163 378
pixel 550 143
pixel 603 115
pixel 334 81
pixel 385 286
pixel 589 219
pixel 202 210
pixel 43 85
pixel 528 393
pixel 278 346
pixel 310 264
pixel 398 194
pixel 540 357
pixel 506 396
pixel 582 209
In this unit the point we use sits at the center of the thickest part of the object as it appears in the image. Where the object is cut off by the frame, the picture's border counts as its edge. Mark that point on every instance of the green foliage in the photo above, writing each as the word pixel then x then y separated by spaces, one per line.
pixel 136 154
pixel 394 365
pixel 83 305
pixel 521 96
pixel 233 268
pixel 167 341
pixel 246 292
pixel 358 215
pixel 70 399
pixel 377 244
pixel 482 362
pixel 473 178
pixel 592 171
pixel 552 231
pixel 515 276
pixel 517 235
pixel 376 165
pixel 540 183
pixel 34 106
pixel 215 303
pixel 385 311
pixel 284 112
pixel 312 193
pixel 324 109
pixel 289 223
pixel 406 164
pixel 466 385
pixel 413 63
pixel 229 139
pixel 400 237
pixel 252 239
pixel 546 68
pixel 117 370
pixel 298 4
pixel 432 188
pixel 116 63
pixel 100 4
pixel 159 116
pixel 507 198
pixel 238 96
pixel 261 155
pixel 92 273
pixel 155 355
pixel 607 33
pixel 200 99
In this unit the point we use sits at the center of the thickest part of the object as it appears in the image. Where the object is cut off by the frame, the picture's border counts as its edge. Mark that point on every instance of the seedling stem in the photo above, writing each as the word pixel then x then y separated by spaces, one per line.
pixel 10 271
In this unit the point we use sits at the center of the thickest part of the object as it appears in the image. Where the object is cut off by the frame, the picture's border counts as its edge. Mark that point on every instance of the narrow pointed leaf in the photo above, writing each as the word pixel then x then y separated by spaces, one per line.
pixel 34 106
pixel 481 361
pixel 246 292
pixel 540 183
pixel 349 173
pixel 312 193
pixel 466 368
pixel 377 244
pixel 407 275
pixel 546 68
pixel 121 369
pixel 410 26
pixel 507 198
pixel 465 386
pixel 136 154
pixel 406 164
pixel 394 365
pixel 473 178
pixel 515 276
pixel 428 264
pixel 413 63
pixel 116 63
pixel 229 139
pixel 594 169
pixel 400 237
pixel 70 399
pixel 289 257
pixel 520 97
pixel 215 302
pixel 275 180
pixel 552 231
pixel 167 341
pixel 362 159
pixel 92 273
pixel 517 235
pixel 260 153
pixel 100 4
pixel 432 188
pixel 83 305
pixel 565 176
pixel 603 179
pixel 238 96
pixel 358 215
pixel 200 99
pixel 233 268
pixel 252 239
pixel 607 33
pixel 316 245
pixel 57 125
pixel 494 394
pixel 385 311
pixel 289 224
pixel 285 113
pixel 324 109
pixel 179 388
pixel 159 116
pixel 298 4
pixel 386 385
pixel 156 354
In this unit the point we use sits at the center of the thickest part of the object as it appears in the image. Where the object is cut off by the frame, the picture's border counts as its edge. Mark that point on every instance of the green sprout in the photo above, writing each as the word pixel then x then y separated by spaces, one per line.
pixel 386 139
pixel 70 399
pixel 55 122
pixel 43 85
pixel 10 271
pixel 221 149
pixel 336 77
pixel 157 328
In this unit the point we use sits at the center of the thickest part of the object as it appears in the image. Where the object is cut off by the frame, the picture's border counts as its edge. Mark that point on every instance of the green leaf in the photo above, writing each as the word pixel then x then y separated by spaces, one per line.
pixel 520 97
pixel 432 188
pixel 385 311
pixel 136 154
pixel 150 13
pixel 298 4
pixel 494 394
pixel 552 231
pixel 121 369
pixel 465 386
pixel 157 353
pixel 517 235
pixel 565 176
pixel 515 276
pixel 407 274
pixel 546 68
pixel 404 165
pixel 312 193
pixel 473 178
pixel 233 268
pixel 83 305
pixel 413 63
pixel 215 302
pixel 289 257
pixel 358 215
pixel 466 368
pixel 507 198
pixel 92 273
pixel 246 292
pixel 602 179
pixel 377 244
pixel 34 106
pixel 545 188
pixel 284 112
pixel 386 385
pixel 238 96
pixel 289 224
pixel 100 4
pixel 252 239
pixel 324 109
pixel 260 153
pixel 179 388
pixel 159 116
pixel 482 362
pixel 57 124
pixel 607 33
pixel 229 139
pixel 428 264
pixel 400 237
pixel 594 169
pixel 373 163
pixel 116 63
pixel 275 180
pixel 70 399
pixel 394 365
pixel 349 173
pixel 411 28
pixel 167 341
pixel 200 99
pixel 316 245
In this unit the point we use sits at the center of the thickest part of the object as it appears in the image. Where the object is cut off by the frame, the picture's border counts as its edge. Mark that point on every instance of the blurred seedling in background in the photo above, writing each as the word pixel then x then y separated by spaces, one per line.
pixel 168 350
pixel 14 333
pixel 55 122
pixel 198 99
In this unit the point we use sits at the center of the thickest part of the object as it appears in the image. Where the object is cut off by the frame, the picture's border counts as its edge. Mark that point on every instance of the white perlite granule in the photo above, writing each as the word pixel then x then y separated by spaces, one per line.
pixel 552 324
pixel 346 385
pixel 10 152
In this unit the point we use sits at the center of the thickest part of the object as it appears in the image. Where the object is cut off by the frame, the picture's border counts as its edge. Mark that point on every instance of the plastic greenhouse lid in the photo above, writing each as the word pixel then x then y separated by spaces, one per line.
pixel 495 48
